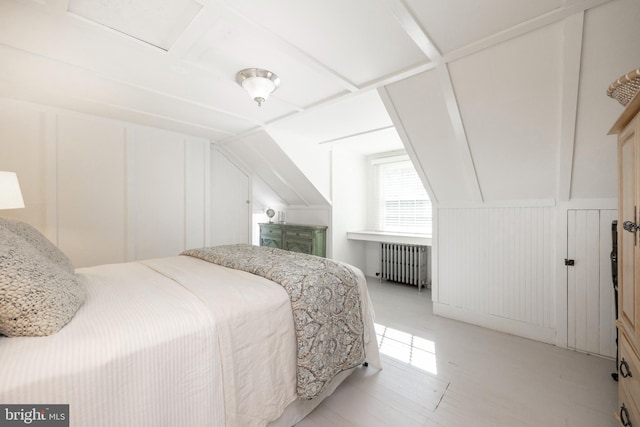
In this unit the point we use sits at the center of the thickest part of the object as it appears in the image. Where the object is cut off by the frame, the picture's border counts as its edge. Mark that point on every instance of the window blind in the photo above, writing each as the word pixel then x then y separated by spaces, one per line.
pixel 400 202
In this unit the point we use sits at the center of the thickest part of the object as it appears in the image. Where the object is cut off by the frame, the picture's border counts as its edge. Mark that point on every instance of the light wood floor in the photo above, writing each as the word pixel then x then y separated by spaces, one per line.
pixel 448 373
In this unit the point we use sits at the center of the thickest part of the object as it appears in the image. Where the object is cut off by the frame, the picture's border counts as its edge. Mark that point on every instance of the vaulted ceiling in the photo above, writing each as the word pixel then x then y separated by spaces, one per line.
pixel 348 69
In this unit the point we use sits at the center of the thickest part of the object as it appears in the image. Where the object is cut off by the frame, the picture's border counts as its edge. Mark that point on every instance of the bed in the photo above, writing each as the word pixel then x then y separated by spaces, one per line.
pixel 176 341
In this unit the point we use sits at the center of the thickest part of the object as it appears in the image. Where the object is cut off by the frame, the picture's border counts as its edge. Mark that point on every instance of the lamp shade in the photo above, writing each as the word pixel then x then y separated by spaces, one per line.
pixel 10 195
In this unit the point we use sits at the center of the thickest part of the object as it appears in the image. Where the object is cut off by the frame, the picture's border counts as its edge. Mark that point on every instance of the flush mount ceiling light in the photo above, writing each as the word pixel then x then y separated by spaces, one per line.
pixel 258 83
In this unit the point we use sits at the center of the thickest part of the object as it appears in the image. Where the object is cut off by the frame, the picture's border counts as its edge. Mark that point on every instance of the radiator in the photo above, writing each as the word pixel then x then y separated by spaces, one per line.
pixel 403 263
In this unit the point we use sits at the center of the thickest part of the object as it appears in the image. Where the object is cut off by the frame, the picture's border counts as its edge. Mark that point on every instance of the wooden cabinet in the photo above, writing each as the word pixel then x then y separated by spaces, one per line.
pixel 307 239
pixel 628 129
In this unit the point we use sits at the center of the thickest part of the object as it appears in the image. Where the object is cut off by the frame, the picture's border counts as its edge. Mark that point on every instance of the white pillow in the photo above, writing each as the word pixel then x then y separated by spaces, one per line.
pixel 38 295
pixel 39 241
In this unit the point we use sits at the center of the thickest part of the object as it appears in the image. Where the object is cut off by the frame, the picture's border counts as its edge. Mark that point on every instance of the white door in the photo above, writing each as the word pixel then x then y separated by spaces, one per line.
pixel 229 202
pixel 590 294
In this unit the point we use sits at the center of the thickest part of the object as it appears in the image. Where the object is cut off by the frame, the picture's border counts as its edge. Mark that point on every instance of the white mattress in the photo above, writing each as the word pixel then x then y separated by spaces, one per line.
pixel 168 342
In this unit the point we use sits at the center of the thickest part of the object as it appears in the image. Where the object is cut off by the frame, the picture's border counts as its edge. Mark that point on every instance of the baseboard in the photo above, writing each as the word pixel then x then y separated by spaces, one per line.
pixel 509 326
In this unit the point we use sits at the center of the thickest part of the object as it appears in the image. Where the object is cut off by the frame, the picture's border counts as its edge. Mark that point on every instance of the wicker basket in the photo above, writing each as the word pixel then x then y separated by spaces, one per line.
pixel 626 87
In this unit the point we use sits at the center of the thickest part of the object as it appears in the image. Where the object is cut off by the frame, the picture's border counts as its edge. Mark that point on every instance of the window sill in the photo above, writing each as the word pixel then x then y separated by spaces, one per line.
pixel 387 237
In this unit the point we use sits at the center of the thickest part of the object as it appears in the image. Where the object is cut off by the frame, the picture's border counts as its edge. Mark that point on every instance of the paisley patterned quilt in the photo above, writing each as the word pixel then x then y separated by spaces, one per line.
pixel 326 307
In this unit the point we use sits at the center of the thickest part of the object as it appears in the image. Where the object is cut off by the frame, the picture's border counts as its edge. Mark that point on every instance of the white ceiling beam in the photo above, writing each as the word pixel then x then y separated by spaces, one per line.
pixel 366 132
pixel 410 25
pixel 397 76
pixel 460 134
pixel 572 56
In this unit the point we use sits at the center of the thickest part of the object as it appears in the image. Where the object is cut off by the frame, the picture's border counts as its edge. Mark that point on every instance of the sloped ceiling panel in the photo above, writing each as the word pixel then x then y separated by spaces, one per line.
pixel 265 158
pixel 509 98
pixel 474 20
pixel 423 116
pixel 264 197
pixel 605 57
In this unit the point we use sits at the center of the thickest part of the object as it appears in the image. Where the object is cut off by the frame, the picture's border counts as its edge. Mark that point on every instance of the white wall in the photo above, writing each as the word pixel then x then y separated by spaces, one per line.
pixel 91 182
pixel 26 147
pixel 103 190
pixel 609 50
pixel 159 199
pixel 502 266
pixel 231 202
pixel 349 195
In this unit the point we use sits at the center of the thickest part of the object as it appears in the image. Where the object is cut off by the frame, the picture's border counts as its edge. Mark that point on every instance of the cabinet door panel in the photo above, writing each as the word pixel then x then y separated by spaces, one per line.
pixel 303 246
pixel 270 242
pixel 627 240
pixel 591 317
pixel 629 367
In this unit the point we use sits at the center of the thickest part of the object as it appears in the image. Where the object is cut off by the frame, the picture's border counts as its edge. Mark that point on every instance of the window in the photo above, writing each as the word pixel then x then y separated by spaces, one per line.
pixel 400 202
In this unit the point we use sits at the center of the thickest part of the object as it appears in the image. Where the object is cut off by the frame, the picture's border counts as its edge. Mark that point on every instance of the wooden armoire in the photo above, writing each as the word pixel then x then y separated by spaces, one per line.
pixel 628 130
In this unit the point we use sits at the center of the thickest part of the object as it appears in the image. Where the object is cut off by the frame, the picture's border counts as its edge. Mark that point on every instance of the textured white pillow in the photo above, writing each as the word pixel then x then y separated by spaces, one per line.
pixel 38 295
pixel 39 241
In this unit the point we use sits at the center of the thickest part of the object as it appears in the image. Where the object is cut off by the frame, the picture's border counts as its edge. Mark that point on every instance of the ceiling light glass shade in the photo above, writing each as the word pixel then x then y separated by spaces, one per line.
pixel 10 194
pixel 258 83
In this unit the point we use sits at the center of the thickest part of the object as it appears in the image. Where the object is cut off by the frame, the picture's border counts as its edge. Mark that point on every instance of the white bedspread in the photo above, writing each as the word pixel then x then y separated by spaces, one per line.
pixel 138 352
pixel 168 342
pixel 255 334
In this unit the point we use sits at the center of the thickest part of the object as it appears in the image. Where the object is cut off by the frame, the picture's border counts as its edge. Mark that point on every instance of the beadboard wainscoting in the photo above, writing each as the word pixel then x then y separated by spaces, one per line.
pixel 504 268
pixel 496 268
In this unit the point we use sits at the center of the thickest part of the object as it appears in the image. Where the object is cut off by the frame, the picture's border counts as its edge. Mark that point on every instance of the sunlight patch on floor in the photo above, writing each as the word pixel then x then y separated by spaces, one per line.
pixel 407 348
